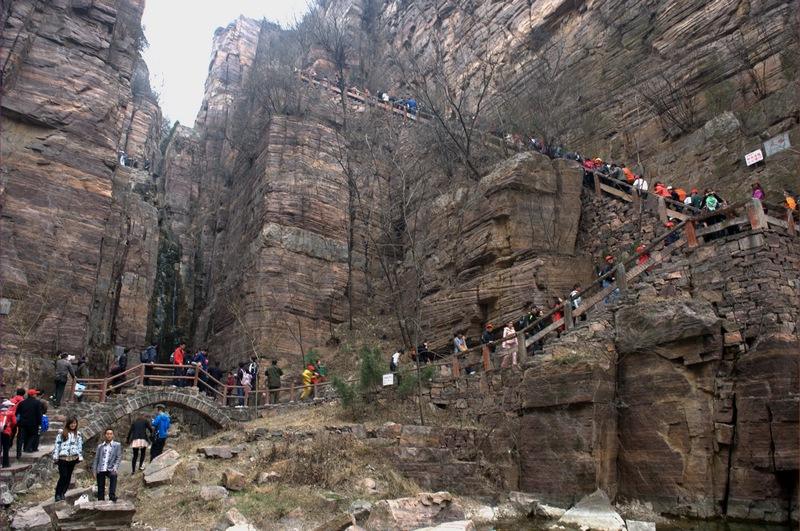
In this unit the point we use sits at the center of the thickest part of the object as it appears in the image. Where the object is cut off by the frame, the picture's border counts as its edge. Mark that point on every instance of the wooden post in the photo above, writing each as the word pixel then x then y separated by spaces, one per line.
pixel 456 367
pixel 141 374
pixel 314 395
pixel 755 212
pixel 487 360
pixel 691 234
pixel 790 222
pixel 597 189
pixel 196 376
pixel 568 322
pixel 636 199
pixel 662 209
pixel 291 391
pixel 522 349
pixel 103 387
pixel 224 397
pixel 622 282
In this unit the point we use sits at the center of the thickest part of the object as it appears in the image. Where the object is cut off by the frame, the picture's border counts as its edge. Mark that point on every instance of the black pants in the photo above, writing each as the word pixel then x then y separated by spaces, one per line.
pixel 273 395
pixel 65 469
pixel 112 485
pixel 34 441
pixel 138 453
pixel 157 448
pixel 59 394
pixel 6 449
pixel 26 436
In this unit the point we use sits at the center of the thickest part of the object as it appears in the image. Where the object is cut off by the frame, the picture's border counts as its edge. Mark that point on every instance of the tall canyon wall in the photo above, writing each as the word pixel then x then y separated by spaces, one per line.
pixel 79 232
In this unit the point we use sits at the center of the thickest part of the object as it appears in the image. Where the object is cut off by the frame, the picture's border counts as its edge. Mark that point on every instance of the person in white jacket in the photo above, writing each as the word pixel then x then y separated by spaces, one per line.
pixel 67 452
pixel 509 345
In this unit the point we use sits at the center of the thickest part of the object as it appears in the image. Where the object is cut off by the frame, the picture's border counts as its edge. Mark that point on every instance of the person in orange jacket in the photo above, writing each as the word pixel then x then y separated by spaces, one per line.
pixel 629 175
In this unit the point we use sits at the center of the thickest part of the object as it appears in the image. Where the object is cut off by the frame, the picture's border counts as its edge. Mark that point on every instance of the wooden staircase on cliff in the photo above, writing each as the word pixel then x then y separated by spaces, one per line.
pixel 691 232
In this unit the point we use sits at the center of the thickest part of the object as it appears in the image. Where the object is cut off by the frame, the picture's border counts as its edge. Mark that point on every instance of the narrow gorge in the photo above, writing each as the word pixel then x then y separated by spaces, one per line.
pixel 302 215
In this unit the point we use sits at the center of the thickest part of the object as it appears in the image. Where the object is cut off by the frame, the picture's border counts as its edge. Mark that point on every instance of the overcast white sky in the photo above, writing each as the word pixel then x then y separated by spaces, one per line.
pixel 180 33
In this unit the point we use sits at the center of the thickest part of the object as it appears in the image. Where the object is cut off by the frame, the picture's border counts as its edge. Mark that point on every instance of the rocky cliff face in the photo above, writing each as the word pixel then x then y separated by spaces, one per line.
pixel 260 232
pixel 79 232
pixel 685 87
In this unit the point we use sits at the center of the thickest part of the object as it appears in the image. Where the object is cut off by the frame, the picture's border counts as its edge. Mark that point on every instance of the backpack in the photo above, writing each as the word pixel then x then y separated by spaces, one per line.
pixel 3 420
pixel 45 423
pixel 711 203
pixel 172 358
pixel 144 356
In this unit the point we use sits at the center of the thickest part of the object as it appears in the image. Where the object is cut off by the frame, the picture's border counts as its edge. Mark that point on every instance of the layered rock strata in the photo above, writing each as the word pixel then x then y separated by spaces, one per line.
pixel 686 88
pixel 683 396
pixel 78 231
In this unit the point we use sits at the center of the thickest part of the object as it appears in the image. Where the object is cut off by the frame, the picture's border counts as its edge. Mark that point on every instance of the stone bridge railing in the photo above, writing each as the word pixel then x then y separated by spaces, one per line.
pixel 96 416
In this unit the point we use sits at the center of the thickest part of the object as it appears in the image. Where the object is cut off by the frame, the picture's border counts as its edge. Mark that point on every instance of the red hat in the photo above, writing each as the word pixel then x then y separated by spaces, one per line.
pixel 609 257
pixel 489 326
pixel 641 248
pixel 310 367
pixel 33 392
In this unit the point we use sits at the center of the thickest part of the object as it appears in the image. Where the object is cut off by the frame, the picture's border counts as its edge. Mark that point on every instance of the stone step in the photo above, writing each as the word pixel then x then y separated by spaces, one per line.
pixel 32 457
pixel 16 470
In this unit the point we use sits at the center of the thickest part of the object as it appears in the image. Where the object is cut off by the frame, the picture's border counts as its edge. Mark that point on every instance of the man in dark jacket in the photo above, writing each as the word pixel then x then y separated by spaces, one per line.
pixel 64 370
pixel 29 415
pixel 273 374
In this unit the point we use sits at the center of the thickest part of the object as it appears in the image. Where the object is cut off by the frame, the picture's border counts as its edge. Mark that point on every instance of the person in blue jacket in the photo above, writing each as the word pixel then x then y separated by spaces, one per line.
pixel 160 424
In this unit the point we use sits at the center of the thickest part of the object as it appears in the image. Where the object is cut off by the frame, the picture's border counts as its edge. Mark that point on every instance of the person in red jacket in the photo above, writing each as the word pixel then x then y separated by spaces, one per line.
pixel 178 357
pixel 8 423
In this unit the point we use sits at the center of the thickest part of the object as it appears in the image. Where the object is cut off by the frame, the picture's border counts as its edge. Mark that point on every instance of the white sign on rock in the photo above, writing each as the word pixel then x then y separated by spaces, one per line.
pixel 777 144
pixel 388 379
pixel 753 157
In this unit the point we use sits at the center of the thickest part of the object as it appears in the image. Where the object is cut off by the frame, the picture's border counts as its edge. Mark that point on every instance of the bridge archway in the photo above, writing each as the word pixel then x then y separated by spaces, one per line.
pixel 95 417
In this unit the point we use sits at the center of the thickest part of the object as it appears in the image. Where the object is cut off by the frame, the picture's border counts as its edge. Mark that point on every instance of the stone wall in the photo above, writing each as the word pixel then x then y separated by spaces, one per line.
pixel 616 227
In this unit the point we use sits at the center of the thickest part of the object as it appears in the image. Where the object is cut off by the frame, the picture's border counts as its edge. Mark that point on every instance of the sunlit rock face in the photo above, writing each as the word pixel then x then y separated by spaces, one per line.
pixel 79 232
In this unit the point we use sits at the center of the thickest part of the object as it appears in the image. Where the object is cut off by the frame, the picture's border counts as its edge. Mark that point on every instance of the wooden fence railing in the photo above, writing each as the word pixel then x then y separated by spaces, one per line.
pixel 99 389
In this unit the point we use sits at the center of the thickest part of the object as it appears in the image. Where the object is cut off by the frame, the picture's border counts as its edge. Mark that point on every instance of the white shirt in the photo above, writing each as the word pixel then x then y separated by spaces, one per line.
pixel 106 449
pixel 640 184
pixel 396 358
pixel 576 299
pixel 688 200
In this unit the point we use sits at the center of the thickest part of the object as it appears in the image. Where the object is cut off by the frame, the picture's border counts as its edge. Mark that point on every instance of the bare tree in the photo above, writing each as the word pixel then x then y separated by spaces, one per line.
pixel 672 103
pixel 454 103
pixel 544 103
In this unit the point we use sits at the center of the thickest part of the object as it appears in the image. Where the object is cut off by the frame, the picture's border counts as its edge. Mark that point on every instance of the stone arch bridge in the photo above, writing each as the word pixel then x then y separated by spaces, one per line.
pixel 94 417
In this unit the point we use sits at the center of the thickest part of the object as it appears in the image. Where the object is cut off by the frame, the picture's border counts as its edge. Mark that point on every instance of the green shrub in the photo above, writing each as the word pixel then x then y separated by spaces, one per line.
pixel 355 395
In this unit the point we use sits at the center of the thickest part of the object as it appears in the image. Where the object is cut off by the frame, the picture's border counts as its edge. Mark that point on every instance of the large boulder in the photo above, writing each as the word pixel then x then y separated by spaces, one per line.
pixel 213 492
pixel 219 452
pixel 33 519
pixel 233 479
pixel 94 515
pixel 672 328
pixel 161 470
pixel 423 510
pixel 594 512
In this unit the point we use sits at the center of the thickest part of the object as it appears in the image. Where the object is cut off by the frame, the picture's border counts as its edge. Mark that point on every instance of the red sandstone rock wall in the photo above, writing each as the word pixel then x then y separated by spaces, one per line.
pixel 618 49
pixel 78 241
pixel 676 398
